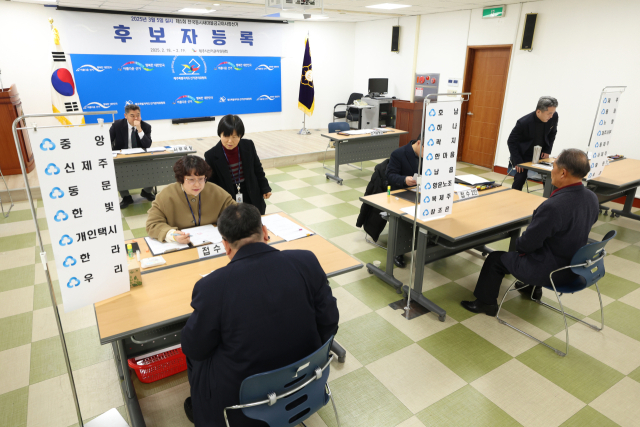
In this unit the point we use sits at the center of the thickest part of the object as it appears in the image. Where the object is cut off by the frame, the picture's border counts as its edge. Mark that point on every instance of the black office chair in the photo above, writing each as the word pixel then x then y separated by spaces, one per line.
pixel 349 114
pixel 511 171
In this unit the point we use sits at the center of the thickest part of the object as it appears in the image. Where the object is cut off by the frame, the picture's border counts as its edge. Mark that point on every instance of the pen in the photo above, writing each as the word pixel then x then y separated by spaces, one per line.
pixel 138 255
pixel 179 234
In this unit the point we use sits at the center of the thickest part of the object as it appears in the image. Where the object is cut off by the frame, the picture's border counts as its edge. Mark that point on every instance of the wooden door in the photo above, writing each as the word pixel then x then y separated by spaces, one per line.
pixel 486 79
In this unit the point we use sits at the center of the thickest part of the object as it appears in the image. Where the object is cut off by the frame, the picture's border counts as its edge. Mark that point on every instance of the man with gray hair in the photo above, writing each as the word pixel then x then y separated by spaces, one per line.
pixel 537 128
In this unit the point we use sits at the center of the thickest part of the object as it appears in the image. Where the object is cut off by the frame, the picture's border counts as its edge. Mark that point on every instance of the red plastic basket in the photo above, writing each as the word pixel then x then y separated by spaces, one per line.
pixel 159 366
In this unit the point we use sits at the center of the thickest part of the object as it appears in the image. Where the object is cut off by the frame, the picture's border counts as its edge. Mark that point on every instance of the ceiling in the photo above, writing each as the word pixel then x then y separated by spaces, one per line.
pixel 336 10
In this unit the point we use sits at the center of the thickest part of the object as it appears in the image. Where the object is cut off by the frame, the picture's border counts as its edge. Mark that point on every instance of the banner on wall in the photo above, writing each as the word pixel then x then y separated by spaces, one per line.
pixel 601 135
pixel 174 67
pixel 78 184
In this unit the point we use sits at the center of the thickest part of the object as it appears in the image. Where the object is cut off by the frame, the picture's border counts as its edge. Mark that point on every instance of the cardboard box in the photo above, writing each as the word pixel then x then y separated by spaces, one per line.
pixel 135 276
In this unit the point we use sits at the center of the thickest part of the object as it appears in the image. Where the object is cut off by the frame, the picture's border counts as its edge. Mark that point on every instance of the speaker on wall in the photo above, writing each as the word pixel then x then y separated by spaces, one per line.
pixel 529 29
pixel 395 36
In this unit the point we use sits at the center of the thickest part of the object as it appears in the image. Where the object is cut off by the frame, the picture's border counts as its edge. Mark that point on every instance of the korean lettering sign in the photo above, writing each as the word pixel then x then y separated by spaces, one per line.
pixel 441 135
pixel 599 144
pixel 78 184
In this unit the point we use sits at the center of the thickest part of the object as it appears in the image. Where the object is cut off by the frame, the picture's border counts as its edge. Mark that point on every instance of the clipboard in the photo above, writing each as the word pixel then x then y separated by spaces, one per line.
pixel 158 248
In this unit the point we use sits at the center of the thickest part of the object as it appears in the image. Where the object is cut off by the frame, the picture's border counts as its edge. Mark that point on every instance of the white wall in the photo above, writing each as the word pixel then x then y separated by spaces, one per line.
pixel 25 59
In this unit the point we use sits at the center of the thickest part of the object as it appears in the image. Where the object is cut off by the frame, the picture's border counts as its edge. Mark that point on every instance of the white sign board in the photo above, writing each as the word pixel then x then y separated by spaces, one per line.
pixel 441 136
pixel 599 144
pixel 208 251
pixel 78 184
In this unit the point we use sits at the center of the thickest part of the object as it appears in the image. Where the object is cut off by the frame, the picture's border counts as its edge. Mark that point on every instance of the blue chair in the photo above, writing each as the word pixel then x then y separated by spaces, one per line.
pixel 333 128
pixel 287 396
pixel 588 265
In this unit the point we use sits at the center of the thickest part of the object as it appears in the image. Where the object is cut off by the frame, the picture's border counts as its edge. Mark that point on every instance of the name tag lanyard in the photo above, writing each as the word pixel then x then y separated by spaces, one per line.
pixel 199 209
pixel 237 182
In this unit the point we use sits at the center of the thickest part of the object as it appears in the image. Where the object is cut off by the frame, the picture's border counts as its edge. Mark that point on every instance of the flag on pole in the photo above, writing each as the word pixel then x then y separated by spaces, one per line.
pixel 306 99
pixel 64 97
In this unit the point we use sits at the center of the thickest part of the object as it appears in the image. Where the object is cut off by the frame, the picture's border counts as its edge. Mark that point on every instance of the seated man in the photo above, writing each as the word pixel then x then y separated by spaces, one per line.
pixel 403 165
pixel 559 227
pixel 265 310
pixel 131 132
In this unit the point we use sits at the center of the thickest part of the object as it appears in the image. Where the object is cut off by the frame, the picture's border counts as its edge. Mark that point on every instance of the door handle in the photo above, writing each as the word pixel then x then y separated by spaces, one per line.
pixel 469 114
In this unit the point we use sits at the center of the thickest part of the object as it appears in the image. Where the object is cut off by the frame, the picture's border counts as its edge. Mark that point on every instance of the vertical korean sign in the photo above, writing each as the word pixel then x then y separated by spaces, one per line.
pixel 441 136
pixel 599 144
pixel 78 184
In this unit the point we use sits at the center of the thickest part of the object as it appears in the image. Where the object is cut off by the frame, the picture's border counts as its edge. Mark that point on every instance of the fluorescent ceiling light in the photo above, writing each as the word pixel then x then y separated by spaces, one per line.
pixel 388 6
pixel 37 1
pixel 190 10
pixel 300 16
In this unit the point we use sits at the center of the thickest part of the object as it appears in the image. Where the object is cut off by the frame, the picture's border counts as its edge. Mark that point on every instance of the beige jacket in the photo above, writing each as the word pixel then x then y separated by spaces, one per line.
pixel 170 209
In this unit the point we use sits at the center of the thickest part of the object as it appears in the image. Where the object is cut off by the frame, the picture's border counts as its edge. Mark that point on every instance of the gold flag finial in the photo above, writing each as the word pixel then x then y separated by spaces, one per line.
pixel 56 34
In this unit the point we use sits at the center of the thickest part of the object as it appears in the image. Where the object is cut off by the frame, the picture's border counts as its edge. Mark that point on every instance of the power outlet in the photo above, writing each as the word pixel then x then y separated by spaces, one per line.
pixel 452 91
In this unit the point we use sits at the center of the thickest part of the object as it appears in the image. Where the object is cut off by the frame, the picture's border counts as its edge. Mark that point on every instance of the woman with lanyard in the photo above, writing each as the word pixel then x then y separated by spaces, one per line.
pixel 190 202
pixel 236 166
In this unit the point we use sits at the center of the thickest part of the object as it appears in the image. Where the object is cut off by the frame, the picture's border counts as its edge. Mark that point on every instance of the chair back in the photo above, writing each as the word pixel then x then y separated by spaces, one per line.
pixel 354 97
pixel 355 112
pixel 338 127
pixel 297 407
pixel 586 255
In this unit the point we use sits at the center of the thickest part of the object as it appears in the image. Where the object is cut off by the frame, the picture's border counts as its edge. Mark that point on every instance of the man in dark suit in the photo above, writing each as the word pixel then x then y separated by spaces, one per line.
pixel 131 132
pixel 403 165
pixel 265 310
pixel 537 128
pixel 559 227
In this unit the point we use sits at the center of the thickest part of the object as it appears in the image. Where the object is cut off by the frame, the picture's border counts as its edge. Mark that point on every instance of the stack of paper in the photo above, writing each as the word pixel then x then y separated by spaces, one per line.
pixel 543 166
pixel 203 234
pixel 285 228
pixel 155 149
pixel 472 179
pixel 158 248
pixel 457 188
pixel 132 151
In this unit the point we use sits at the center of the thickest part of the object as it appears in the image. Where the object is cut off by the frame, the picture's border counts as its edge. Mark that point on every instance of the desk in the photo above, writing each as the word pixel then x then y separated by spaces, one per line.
pixel 619 178
pixel 546 176
pixel 146 169
pixel 504 213
pixel 359 148
pixel 150 317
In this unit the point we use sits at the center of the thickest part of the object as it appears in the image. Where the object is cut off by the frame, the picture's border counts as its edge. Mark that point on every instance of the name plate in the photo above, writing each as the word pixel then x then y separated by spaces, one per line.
pixel 468 194
pixel 208 251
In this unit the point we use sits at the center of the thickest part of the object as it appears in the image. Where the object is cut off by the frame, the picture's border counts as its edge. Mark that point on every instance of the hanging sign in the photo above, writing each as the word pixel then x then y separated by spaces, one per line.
pixel 599 143
pixel 78 184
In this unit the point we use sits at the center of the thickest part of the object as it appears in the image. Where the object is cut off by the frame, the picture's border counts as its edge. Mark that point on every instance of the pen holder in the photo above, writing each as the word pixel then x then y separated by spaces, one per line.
pixel 135 276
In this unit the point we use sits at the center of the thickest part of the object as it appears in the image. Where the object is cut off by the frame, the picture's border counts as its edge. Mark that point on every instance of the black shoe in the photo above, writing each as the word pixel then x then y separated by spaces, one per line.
pixel 188 408
pixel 126 201
pixel 526 291
pixel 480 307
pixel 399 261
pixel 149 196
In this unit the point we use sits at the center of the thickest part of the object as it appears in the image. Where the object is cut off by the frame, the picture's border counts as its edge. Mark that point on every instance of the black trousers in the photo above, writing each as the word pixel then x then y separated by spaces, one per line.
pixel 491 275
pixel 519 179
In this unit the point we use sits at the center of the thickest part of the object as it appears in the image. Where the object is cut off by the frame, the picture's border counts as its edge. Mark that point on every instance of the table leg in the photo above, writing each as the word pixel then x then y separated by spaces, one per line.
pixel 339 351
pixel 628 204
pixel 548 186
pixel 416 292
pixel 336 171
pixel 128 391
pixel 514 236
pixel 387 276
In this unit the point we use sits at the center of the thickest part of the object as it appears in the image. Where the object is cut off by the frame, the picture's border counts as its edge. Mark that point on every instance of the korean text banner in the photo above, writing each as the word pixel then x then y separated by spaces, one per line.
pixel 78 185
pixel 173 67
pixel 599 145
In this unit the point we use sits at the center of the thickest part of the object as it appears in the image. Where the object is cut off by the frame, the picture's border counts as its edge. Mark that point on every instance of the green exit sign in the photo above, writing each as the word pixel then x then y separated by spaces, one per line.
pixel 493 12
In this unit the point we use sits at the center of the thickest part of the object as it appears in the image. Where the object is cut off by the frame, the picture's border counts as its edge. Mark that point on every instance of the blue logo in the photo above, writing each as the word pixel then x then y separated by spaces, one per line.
pixel 594 155
pixel 592 165
pixel 599 133
pixel 60 216
pixel 69 261
pixel 47 147
pixel 432 112
pixel 426 212
pixel 427 186
pixel 429 156
pixel 430 143
pixel 56 193
pixel 73 282
pixel 601 122
pixel 589 176
pixel 432 128
pixel 604 101
pixel 65 240
pixel 602 111
pixel 52 169
pixel 596 145
pixel 427 200
pixel 428 172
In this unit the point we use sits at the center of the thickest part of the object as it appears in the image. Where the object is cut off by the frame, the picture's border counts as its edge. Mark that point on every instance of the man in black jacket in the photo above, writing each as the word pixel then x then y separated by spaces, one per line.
pixel 131 132
pixel 537 128
pixel 265 310
pixel 559 227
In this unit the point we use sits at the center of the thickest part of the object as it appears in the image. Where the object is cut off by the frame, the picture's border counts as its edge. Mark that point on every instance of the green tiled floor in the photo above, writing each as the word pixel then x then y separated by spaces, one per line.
pixel 476 355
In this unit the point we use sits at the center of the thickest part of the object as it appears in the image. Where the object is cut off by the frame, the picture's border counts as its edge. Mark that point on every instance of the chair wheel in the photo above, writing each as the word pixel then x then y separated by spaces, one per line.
pixel 369 271
pixel 342 359
pixel 441 318
pixel 484 254
pixel 398 291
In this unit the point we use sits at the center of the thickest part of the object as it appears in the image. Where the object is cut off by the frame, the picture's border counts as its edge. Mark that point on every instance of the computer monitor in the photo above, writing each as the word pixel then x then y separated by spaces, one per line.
pixel 378 86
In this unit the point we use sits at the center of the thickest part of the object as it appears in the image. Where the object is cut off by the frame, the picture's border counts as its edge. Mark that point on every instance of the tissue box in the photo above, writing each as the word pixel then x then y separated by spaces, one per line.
pixel 135 276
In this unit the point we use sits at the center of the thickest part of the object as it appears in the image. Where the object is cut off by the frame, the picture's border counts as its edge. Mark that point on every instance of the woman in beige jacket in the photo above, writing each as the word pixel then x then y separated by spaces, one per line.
pixel 190 202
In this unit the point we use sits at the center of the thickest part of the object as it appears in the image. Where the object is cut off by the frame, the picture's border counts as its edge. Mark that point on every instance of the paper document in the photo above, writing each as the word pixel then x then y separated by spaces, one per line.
pixel 543 166
pixel 472 179
pixel 285 228
pixel 115 155
pixel 203 234
pixel 132 151
pixel 158 248
pixel 457 188
pixel 155 149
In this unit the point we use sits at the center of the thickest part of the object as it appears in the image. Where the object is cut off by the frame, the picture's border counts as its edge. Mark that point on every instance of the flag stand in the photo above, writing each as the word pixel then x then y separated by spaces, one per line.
pixel 304 130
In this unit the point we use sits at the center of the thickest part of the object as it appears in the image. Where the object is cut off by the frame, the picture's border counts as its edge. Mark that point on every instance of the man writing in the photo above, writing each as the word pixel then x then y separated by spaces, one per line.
pixel 559 227
pixel 265 310
pixel 537 128
pixel 131 132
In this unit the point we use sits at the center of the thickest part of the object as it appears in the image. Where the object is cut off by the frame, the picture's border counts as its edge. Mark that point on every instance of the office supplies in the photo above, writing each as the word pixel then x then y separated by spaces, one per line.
pixel 152 262
pixel 203 234
pixel 158 248
pixel 388 190
pixel 132 151
pixel 138 255
pixel 472 180
pixel 537 150
pixel 155 149
pixel 129 250
pixel 285 228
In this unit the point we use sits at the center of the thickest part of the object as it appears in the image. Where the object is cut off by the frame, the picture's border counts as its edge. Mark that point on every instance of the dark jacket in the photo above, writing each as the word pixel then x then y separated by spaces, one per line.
pixel 559 227
pixel 119 133
pixel 403 163
pixel 369 216
pixel 265 310
pixel 521 139
pixel 254 178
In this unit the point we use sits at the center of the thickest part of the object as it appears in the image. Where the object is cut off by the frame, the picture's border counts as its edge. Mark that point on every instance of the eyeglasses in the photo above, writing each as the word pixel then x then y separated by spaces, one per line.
pixel 192 181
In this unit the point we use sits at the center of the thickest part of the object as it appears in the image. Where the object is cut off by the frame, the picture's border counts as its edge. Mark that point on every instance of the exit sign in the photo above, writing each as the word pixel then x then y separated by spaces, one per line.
pixel 493 12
